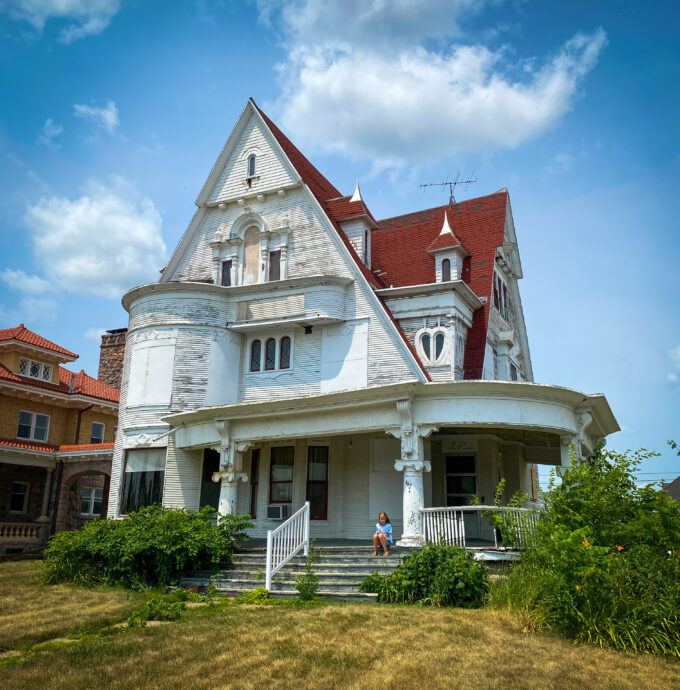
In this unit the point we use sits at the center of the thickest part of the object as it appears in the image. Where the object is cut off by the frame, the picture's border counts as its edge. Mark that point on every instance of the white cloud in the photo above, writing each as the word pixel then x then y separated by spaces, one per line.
pixel 105 117
pixel 674 357
pixel 94 334
pixel 102 243
pixel 373 81
pixel 89 17
pixel 21 281
pixel 49 133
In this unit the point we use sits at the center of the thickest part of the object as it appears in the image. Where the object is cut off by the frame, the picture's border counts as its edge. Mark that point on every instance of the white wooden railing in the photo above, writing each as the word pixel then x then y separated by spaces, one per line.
pixel 285 541
pixel 20 531
pixel 448 524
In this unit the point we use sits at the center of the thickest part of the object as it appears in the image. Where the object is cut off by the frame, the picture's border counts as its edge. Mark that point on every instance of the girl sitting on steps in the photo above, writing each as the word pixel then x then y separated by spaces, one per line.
pixel 383 535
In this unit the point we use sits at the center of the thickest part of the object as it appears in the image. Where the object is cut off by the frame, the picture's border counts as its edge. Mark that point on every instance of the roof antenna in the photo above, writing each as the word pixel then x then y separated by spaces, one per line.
pixel 451 184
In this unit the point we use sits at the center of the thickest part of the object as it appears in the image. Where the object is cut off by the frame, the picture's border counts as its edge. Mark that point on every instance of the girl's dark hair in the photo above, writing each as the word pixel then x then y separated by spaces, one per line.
pixel 387 517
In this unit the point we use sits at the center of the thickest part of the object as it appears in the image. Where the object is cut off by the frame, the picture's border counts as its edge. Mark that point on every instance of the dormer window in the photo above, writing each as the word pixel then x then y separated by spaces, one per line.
pixel 35 370
pixel 446 270
pixel 251 165
pixel 431 346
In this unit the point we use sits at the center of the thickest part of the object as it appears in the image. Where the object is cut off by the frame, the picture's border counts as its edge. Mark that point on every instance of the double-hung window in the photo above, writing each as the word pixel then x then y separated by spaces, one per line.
pixel 91 501
pixel 33 426
pixel 317 482
pixel 275 265
pixel 281 474
pixel 18 500
pixel 144 475
pixel 225 275
pixel 97 432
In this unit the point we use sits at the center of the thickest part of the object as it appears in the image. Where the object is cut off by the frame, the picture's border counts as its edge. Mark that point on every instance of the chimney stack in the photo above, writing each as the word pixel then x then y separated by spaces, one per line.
pixel 112 350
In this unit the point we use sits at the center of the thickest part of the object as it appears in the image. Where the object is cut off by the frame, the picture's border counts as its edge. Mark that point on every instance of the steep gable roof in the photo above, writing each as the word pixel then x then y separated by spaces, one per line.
pixel 400 252
pixel 23 335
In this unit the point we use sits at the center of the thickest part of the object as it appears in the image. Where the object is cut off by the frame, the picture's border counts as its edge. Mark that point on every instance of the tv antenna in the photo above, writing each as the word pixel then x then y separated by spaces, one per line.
pixel 451 184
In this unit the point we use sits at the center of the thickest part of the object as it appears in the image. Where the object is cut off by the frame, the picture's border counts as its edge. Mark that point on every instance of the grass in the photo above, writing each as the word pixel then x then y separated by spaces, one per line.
pixel 31 612
pixel 331 646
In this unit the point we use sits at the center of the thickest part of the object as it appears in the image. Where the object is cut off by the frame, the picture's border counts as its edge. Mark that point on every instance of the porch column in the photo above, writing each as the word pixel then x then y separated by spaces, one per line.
pixel 46 496
pixel 229 474
pixel 412 463
pixel 565 444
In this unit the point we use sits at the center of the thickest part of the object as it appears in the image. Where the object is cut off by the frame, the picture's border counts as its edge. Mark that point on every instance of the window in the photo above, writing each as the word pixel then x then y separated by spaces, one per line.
pixel 317 482
pixel 284 354
pixel 18 501
pixel 144 475
pixel 431 346
pixel 255 355
pixel 281 474
pixel 446 270
pixel 513 372
pixel 496 293
pixel 275 265
pixel 461 480
pixel 254 480
pixel 251 256
pixel 251 165
pixel 91 501
pixel 33 426
pixel 274 355
pixel 225 275
pixel 35 370
pixel 97 433
pixel 270 355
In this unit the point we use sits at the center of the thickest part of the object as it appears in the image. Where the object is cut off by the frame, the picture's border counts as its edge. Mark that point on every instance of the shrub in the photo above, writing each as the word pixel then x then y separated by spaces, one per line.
pixel 156 609
pixel 307 584
pixel 437 575
pixel 153 546
pixel 604 563
pixel 259 595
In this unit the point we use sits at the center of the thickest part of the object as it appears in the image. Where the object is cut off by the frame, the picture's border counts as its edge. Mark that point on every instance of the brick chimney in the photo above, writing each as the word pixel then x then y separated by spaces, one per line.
pixel 111 352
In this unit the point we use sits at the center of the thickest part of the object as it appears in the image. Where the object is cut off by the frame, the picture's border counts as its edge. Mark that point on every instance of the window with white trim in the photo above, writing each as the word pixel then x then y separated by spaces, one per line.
pixel 143 478
pixel 91 501
pixel 18 500
pixel 431 346
pixel 33 426
pixel 270 354
pixel 35 370
pixel 97 432
pixel 251 165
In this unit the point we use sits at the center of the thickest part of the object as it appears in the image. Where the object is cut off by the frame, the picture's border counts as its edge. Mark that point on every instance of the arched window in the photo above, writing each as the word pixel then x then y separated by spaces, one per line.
pixel 431 345
pixel 446 270
pixel 425 343
pixel 251 256
pixel 438 345
pixel 284 353
pixel 270 355
pixel 255 355
pixel 251 165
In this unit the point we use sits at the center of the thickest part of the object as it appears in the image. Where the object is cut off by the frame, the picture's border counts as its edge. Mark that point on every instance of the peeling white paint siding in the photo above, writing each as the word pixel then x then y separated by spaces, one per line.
pixel 358 232
pixel 182 487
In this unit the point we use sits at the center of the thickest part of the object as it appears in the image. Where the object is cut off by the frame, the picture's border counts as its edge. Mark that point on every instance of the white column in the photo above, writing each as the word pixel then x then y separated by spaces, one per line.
pixel 46 495
pixel 565 453
pixel 230 473
pixel 413 500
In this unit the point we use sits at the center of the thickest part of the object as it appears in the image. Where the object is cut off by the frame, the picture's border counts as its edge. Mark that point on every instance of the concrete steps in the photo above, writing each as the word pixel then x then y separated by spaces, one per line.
pixel 340 570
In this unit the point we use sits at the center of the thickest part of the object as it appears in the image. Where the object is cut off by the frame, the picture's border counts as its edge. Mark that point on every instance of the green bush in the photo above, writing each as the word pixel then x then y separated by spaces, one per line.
pixel 307 584
pixel 436 575
pixel 153 546
pixel 259 595
pixel 604 564
pixel 156 609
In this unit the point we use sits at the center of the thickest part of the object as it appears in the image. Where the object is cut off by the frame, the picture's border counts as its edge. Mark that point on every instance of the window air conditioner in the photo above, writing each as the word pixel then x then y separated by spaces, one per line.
pixel 278 511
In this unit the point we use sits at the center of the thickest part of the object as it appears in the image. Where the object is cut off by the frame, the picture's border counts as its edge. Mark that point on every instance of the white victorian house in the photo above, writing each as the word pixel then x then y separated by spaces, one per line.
pixel 298 349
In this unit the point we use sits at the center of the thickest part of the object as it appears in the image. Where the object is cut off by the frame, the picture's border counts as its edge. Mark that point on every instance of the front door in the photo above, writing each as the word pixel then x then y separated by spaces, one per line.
pixel 210 490
pixel 461 489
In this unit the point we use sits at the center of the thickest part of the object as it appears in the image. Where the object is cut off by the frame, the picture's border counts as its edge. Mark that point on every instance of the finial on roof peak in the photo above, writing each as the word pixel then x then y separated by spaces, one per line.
pixel 446 228
pixel 357 193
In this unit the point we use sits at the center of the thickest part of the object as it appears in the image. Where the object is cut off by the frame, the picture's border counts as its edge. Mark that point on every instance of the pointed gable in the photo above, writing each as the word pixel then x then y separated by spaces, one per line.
pixel 446 239
pixel 21 334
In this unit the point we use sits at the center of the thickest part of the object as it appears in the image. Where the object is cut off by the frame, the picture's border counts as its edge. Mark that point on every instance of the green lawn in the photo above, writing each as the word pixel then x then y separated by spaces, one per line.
pixel 324 646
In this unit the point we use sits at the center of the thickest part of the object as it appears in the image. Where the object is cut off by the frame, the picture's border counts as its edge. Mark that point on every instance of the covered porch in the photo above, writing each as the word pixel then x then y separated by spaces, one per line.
pixel 398 449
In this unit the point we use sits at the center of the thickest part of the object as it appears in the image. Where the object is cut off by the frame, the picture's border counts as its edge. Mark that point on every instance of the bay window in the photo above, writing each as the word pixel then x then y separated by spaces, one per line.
pixel 143 478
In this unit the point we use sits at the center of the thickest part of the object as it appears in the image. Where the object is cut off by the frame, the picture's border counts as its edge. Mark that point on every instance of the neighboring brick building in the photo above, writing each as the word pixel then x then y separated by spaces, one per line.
pixel 56 438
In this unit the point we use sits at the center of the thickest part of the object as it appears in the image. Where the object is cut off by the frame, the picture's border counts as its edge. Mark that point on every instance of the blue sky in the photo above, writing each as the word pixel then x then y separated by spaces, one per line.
pixel 112 114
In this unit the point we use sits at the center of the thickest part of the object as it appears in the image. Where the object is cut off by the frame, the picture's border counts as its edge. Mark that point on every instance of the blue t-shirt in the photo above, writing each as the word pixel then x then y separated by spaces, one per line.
pixel 385 529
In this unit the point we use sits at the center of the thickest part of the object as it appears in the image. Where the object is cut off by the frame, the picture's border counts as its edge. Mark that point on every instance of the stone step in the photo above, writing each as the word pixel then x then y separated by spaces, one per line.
pixel 292 593
pixel 353 573
pixel 285 584
pixel 239 559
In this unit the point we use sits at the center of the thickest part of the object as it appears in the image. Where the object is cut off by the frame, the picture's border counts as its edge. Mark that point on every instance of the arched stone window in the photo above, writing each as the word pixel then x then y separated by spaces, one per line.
pixel 284 353
pixel 270 355
pixel 446 270
pixel 255 355
pixel 251 256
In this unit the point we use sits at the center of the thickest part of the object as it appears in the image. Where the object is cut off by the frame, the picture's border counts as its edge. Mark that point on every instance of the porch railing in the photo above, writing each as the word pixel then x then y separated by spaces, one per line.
pixel 285 541
pixel 448 525
pixel 20 531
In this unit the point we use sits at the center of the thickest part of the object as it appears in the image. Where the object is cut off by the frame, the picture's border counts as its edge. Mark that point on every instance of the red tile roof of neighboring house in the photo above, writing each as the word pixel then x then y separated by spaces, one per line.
pixel 399 249
pixel 85 447
pixel 24 335
pixel 69 384
pixel 27 445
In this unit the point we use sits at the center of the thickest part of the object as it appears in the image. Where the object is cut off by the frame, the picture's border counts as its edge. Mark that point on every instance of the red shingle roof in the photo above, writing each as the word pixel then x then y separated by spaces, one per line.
pixel 85 447
pixel 399 249
pixel 344 208
pixel 45 448
pixel 69 384
pixel 24 335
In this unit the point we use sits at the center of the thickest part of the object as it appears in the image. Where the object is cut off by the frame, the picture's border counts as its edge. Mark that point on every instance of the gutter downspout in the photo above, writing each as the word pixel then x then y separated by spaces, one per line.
pixel 80 414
